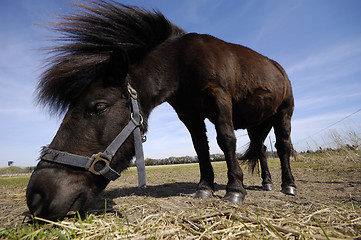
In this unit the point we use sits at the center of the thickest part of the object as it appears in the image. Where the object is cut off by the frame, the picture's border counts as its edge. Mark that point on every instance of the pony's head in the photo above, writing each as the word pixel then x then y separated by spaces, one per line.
pixel 88 79
pixel 92 121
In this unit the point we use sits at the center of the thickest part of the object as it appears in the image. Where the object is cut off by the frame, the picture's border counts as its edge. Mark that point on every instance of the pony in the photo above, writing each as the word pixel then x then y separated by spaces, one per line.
pixel 113 65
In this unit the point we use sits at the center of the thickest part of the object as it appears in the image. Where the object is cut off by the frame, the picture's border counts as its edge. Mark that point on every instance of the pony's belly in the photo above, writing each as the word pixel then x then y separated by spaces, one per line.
pixel 245 117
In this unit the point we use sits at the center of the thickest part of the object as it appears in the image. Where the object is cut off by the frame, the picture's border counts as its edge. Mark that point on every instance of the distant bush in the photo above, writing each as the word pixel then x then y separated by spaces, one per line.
pixel 15 170
pixel 180 160
pixel 11 170
pixel 170 160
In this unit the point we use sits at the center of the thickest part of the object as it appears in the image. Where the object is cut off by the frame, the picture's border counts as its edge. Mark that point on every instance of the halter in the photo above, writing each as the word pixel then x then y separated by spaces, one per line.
pixel 104 158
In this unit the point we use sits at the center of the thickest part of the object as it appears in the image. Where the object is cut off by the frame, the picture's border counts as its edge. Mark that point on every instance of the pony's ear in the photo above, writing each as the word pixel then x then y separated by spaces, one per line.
pixel 118 66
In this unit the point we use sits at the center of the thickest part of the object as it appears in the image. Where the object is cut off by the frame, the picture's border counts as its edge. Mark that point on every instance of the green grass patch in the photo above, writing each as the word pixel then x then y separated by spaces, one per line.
pixel 92 226
pixel 14 181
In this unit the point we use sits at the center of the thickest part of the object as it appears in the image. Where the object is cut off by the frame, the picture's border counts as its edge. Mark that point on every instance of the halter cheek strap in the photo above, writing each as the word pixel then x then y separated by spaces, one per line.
pixel 104 158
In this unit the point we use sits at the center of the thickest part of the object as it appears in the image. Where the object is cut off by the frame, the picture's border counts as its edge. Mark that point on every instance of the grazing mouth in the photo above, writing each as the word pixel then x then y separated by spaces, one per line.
pixel 78 204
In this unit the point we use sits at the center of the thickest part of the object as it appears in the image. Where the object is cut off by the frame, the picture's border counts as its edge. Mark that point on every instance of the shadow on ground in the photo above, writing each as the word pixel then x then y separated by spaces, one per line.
pixel 175 189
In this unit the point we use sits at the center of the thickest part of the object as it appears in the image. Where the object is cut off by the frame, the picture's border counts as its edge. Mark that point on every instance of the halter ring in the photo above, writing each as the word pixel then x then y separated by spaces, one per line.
pixel 98 158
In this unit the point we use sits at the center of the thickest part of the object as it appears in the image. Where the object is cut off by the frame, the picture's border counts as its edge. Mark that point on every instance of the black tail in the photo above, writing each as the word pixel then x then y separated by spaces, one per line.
pixel 251 157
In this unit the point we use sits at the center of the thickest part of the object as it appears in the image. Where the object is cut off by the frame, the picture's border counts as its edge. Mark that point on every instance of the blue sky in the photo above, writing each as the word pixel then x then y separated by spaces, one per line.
pixel 317 42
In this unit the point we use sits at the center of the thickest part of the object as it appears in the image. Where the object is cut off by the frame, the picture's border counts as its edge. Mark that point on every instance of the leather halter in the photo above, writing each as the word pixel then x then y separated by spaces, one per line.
pixel 105 158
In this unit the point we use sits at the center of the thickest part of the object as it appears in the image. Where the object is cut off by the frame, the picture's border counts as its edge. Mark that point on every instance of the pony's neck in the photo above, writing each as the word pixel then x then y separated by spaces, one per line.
pixel 155 79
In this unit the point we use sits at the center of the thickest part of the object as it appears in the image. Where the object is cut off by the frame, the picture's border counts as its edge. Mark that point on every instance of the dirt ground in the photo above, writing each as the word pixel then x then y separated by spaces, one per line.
pixel 328 191
pixel 316 186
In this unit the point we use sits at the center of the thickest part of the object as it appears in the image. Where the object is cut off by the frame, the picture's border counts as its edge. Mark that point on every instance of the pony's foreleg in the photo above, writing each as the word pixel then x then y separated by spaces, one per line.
pixel 197 129
pixel 226 140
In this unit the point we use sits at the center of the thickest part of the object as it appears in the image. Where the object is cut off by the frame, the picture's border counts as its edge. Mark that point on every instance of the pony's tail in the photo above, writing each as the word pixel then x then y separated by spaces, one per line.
pixel 251 158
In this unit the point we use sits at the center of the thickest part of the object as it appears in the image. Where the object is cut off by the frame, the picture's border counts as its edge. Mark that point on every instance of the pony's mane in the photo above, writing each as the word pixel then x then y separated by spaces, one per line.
pixel 87 41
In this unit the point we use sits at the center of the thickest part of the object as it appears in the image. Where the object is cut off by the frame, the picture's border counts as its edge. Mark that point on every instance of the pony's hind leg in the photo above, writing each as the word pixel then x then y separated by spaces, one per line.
pixel 197 129
pixel 257 151
pixel 282 127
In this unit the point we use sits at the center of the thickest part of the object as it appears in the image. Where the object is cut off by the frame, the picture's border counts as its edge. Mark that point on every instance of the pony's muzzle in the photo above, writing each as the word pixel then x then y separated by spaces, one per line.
pixel 51 198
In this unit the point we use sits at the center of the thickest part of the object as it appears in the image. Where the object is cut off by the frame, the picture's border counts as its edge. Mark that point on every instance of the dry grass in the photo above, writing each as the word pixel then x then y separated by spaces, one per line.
pixel 217 220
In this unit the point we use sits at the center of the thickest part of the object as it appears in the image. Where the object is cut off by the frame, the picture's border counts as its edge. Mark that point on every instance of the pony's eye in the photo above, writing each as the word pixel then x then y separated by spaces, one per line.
pixel 96 108
pixel 100 107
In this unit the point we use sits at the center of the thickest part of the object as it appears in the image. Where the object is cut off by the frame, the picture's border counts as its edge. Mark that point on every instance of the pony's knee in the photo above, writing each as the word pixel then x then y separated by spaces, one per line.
pixel 226 140
pixel 283 146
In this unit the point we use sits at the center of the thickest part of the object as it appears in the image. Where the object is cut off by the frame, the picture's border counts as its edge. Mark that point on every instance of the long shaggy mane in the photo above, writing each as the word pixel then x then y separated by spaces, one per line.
pixel 87 39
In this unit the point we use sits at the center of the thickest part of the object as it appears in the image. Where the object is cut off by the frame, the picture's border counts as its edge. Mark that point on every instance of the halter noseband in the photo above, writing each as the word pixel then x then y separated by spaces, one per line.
pixel 133 126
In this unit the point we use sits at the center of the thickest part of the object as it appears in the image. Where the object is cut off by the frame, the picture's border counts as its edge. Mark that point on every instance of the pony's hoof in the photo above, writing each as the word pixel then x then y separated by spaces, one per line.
pixel 289 190
pixel 203 194
pixel 234 197
pixel 268 187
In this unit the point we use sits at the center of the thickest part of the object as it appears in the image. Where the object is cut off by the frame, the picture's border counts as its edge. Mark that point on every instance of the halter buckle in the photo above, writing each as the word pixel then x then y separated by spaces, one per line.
pixel 132 92
pixel 98 158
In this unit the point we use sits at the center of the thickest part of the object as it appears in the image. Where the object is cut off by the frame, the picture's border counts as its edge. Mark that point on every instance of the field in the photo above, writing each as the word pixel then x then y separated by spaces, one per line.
pixel 327 205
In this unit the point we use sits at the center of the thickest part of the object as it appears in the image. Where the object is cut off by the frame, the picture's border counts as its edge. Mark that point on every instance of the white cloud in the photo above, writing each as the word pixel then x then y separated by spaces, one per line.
pixel 331 55
pixel 327 97
pixel 317 119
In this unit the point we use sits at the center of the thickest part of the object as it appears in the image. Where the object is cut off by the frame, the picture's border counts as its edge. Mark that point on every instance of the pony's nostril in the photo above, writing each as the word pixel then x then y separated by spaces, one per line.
pixel 36 204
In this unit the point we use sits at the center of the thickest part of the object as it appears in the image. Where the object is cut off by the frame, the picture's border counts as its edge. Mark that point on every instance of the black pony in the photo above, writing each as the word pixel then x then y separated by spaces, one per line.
pixel 115 64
